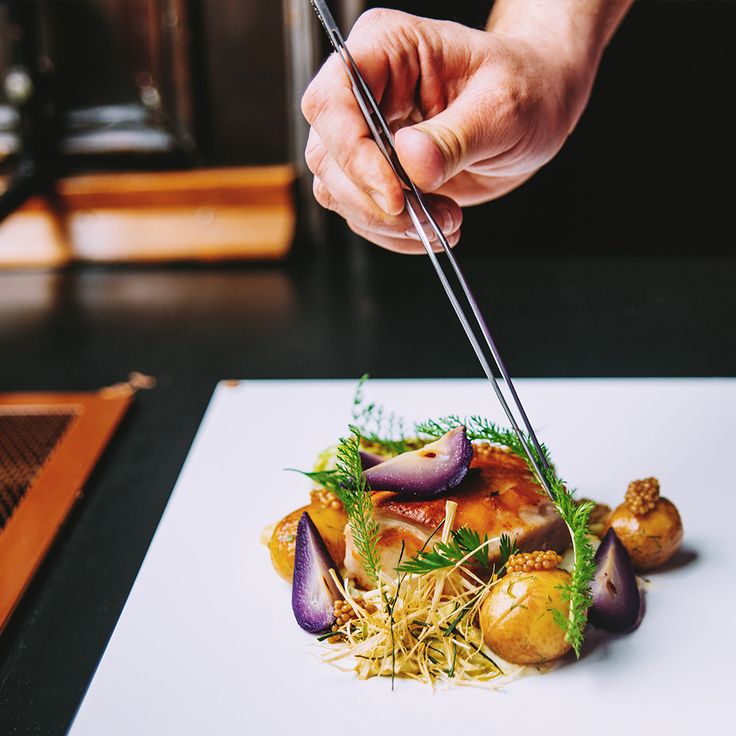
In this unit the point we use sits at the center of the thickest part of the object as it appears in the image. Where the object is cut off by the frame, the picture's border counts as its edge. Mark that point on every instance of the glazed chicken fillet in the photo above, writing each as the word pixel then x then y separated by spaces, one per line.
pixel 498 496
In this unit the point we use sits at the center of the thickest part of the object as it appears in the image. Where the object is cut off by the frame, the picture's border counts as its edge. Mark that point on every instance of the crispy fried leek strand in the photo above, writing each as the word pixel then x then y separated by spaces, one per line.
pixel 450 510
pixel 431 642
pixel 431 631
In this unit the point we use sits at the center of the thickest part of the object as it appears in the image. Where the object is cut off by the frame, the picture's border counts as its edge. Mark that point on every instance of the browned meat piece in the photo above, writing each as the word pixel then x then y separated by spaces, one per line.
pixel 498 496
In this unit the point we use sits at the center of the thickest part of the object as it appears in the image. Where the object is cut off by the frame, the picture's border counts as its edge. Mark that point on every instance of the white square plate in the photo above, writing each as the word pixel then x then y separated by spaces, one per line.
pixel 207 644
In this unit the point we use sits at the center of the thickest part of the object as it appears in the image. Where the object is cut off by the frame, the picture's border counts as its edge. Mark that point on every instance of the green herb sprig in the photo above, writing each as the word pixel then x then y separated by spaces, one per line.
pixel 328 479
pixel 349 485
pixel 575 516
pixel 463 542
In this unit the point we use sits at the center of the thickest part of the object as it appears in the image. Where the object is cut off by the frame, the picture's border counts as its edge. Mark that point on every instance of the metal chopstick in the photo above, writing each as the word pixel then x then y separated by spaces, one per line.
pixel 417 208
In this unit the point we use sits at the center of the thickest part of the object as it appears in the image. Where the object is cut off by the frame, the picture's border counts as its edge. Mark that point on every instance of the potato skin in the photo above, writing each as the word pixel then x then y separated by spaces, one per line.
pixel 516 619
pixel 329 522
pixel 652 538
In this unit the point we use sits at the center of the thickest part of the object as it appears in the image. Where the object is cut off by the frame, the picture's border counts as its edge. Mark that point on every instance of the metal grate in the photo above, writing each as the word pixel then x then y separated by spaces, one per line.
pixel 27 439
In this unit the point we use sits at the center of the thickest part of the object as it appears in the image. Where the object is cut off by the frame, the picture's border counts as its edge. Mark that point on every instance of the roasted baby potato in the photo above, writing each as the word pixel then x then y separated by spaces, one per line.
pixel 516 618
pixel 648 525
pixel 650 538
pixel 330 523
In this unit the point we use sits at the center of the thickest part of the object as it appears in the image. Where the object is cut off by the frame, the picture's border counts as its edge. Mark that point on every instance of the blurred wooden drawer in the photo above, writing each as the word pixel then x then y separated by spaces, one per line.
pixel 205 215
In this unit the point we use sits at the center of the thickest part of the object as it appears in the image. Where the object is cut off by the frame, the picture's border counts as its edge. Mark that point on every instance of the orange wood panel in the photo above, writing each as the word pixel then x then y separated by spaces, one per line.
pixel 36 520
pixel 205 214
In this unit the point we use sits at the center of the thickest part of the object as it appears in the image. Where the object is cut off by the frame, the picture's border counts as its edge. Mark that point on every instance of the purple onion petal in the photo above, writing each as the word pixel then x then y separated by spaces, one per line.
pixel 614 589
pixel 314 591
pixel 435 468
pixel 369 459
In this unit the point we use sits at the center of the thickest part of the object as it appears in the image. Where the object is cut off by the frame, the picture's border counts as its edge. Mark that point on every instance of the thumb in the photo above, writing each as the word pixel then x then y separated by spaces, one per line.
pixel 438 148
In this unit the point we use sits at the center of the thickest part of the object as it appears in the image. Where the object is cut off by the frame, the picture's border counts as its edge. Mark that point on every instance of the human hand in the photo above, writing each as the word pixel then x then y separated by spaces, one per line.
pixel 475 114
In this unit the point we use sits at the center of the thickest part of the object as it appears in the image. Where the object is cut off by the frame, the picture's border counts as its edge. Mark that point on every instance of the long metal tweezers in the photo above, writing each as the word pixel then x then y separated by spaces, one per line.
pixel 422 217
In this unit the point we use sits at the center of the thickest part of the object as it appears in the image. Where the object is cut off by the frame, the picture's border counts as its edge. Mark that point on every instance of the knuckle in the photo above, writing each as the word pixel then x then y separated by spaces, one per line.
pixel 311 101
pixel 350 166
pixel 322 194
pixel 359 165
pixel 386 29
pixel 316 96
pixel 514 95
pixel 374 18
pixel 315 155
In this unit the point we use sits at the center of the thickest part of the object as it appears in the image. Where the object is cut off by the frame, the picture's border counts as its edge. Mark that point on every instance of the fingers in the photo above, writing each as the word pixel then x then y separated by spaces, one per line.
pixel 334 190
pixel 404 246
pixel 344 136
pixel 474 113
pixel 337 178
pixel 473 140
pixel 331 109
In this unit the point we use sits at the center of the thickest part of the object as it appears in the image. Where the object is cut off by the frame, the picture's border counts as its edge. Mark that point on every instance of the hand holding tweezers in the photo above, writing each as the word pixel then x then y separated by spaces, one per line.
pixel 422 218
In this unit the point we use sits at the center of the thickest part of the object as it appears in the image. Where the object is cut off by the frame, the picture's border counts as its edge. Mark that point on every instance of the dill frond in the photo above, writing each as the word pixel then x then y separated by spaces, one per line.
pixel 463 546
pixel 462 543
pixel 352 489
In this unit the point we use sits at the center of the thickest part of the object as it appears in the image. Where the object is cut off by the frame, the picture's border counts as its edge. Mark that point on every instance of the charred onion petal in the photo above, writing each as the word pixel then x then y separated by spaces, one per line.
pixel 429 471
pixel 369 459
pixel 614 589
pixel 314 592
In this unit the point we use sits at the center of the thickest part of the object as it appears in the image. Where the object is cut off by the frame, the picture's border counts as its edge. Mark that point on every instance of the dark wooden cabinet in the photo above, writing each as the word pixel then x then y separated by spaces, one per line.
pixel 137 83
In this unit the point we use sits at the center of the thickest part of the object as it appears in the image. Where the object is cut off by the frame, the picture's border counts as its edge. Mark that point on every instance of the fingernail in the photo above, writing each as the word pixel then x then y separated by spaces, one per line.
pixel 380 200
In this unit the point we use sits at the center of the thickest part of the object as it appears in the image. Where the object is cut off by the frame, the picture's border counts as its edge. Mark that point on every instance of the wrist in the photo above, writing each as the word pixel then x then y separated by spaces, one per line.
pixel 577 29
pixel 570 35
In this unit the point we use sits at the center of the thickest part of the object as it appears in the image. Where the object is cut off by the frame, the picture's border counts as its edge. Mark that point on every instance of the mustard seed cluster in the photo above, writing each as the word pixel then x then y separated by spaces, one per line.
pixel 533 561
pixel 344 612
pixel 326 499
pixel 642 495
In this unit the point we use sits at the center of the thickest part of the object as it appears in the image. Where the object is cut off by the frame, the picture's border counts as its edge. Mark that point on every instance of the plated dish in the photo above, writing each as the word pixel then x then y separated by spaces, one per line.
pixel 432 552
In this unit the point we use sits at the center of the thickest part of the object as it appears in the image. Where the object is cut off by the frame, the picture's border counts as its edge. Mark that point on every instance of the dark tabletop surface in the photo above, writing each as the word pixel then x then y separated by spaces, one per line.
pixel 358 310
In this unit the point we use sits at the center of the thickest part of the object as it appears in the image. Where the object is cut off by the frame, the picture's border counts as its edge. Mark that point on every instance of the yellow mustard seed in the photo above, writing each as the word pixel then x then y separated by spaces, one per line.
pixel 642 496
pixel 533 561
